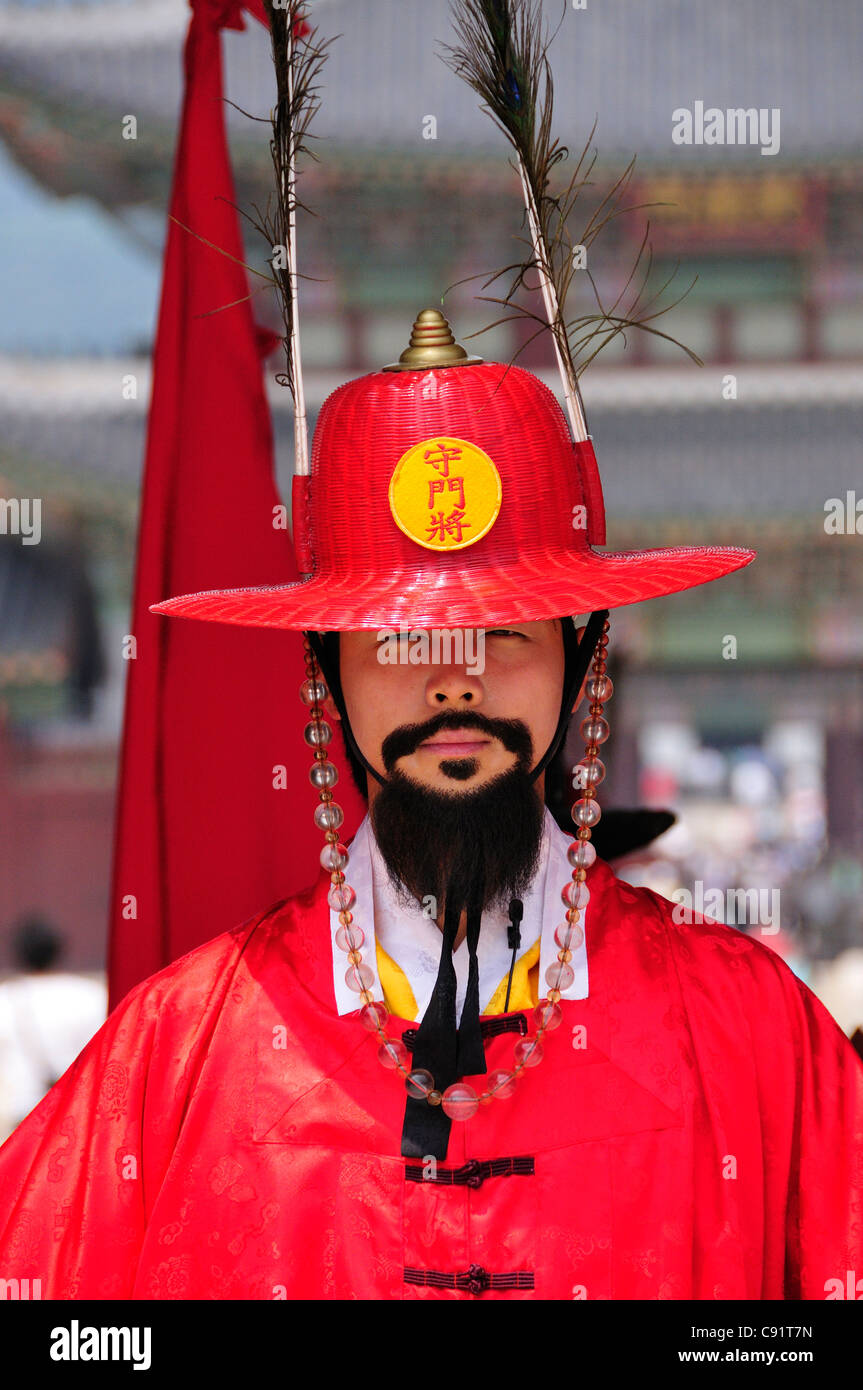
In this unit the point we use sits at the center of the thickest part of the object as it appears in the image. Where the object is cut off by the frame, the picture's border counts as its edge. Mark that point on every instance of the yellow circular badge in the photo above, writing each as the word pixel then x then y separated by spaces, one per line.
pixel 445 493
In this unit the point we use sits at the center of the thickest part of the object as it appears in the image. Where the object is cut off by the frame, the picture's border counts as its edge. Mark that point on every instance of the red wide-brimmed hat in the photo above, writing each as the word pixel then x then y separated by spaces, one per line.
pixel 451 496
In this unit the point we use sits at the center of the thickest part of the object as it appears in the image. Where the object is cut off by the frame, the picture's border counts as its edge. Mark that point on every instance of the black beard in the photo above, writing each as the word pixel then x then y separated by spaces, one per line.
pixel 472 848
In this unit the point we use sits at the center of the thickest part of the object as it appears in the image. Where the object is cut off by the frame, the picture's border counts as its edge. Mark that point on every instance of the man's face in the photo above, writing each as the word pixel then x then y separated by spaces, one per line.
pixel 393 708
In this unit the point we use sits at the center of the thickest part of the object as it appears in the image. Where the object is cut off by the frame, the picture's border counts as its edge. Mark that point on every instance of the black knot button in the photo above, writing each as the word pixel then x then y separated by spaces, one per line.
pixel 473 1175
pixel 477 1279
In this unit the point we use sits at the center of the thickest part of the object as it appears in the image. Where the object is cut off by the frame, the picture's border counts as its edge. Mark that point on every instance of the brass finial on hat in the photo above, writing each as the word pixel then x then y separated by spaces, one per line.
pixel 432 345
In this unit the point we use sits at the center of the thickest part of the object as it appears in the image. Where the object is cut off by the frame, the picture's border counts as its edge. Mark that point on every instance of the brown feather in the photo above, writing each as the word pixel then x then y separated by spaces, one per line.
pixel 297 65
pixel 502 53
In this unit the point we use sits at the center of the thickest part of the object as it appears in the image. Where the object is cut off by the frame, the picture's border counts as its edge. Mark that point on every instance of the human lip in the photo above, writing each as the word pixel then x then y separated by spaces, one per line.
pixel 456 741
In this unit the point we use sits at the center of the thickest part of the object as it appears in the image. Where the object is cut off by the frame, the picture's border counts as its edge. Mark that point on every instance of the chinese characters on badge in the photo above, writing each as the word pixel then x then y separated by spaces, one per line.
pixel 445 493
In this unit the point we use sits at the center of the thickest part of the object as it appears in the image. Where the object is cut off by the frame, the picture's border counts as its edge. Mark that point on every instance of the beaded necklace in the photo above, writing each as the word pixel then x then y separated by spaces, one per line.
pixel 459 1101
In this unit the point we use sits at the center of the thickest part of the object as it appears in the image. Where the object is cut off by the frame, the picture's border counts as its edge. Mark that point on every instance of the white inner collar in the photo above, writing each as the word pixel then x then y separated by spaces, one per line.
pixel 412 939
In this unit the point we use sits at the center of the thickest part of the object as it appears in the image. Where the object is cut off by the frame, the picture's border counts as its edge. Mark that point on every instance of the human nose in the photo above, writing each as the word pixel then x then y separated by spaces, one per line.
pixel 451 685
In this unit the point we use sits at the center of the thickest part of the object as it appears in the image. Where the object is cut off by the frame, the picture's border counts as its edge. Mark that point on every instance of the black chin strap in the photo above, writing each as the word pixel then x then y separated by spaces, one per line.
pixel 328 660
pixel 577 659
pixel 513 937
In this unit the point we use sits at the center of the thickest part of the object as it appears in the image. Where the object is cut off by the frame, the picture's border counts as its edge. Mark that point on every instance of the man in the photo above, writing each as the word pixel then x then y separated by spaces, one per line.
pixel 46 1016
pixel 469 1061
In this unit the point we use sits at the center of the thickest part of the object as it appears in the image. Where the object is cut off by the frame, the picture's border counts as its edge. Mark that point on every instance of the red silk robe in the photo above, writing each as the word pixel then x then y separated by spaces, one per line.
pixel 694 1131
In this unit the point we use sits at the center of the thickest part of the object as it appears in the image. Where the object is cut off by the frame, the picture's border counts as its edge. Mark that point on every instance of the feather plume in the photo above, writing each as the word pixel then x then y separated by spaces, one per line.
pixel 502 54
pixel 298 57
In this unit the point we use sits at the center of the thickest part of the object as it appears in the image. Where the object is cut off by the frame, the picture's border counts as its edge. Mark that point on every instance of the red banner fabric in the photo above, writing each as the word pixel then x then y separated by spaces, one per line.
pixel 214 813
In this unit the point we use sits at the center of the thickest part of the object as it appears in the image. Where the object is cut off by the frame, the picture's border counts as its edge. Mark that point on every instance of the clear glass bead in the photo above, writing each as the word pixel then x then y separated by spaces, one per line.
pixel 576 894
pixel 586 811
pixel 317 733
pixel 563 936
pixel 334 858
pixel 359 977
pixel 323 776
pixel 529 1052
pixel 392 1054
pixel 341 897
pixel 569 936
pixel 588 773
pixel 580 854
pixel 559 976
pixel 350 938
pixel 548 1016
pixel 460 1101
pixel 599 688
pixel 594 730
pixel 501 1084
pixel 313 692
pixel 419 1084
pixel 373 1016
pixel 329 816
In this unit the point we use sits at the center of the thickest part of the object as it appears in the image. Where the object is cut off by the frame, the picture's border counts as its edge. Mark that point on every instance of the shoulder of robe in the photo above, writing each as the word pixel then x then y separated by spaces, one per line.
pixel 743 975
pixel 696 938
pixel 162 1027
pixel 203 974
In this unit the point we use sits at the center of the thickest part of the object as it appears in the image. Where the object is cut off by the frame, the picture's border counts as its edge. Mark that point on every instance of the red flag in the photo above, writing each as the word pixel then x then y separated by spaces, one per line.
pixel 214 813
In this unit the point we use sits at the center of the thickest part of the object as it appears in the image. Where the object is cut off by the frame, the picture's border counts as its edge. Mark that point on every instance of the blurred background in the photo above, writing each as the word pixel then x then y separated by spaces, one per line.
pixel 739 706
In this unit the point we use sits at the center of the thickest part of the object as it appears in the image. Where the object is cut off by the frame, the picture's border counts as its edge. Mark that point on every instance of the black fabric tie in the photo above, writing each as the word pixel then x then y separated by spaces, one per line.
pixel 447 1053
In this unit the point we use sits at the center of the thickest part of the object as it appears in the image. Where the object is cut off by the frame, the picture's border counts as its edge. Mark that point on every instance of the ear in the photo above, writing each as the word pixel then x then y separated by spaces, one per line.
pixel 580 631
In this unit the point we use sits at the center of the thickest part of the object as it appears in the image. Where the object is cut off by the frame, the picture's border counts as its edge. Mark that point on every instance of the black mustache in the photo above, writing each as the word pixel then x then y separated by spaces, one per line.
pixel 512 733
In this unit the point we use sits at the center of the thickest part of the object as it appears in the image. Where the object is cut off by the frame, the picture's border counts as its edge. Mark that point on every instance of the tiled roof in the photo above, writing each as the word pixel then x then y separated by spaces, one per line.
pixel 629 63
